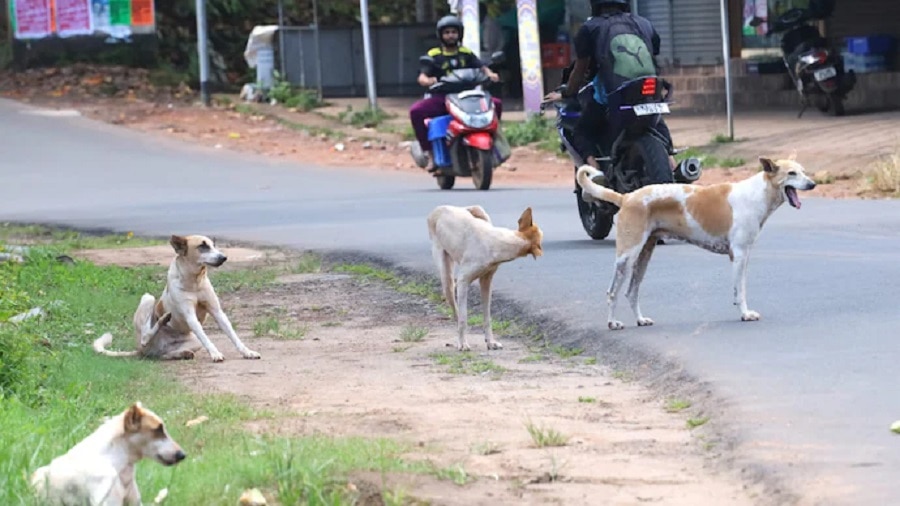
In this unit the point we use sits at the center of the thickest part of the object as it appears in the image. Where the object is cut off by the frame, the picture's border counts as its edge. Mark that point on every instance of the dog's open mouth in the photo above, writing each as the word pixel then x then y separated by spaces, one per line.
pixel 793 199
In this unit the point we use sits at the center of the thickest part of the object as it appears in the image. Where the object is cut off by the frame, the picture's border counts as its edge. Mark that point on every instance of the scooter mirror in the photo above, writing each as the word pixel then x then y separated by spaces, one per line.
pixel 498 57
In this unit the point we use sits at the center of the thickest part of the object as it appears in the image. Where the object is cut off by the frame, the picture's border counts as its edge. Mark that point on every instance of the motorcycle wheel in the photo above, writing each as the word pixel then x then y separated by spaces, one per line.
pixel 482 163
pixel 650 155
pixel 445 182
pixel 595 221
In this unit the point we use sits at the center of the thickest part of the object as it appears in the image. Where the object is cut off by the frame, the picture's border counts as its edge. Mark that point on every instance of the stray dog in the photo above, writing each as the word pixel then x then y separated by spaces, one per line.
pixel 724 218
pixel 466 239
pixel 172 327
pixel 100 469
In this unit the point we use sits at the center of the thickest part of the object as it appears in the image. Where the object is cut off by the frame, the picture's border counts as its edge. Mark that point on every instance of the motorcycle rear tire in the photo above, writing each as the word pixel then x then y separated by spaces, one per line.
pixel 445 182
pixel 837 104
pixel 653 158
pixel 596 222
pixel 481 162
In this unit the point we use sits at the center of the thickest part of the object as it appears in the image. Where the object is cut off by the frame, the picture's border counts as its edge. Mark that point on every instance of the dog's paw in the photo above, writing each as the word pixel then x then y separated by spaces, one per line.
pixel 189 355
pixel 494 345
pixel 249 354
pixel 750 316
pixel 164 319
pixel 615 325
pixel 217 356
pixel 644 322
pixel 464 347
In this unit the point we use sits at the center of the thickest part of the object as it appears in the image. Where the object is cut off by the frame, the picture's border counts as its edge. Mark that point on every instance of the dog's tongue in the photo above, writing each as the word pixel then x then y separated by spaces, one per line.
pixel 792 196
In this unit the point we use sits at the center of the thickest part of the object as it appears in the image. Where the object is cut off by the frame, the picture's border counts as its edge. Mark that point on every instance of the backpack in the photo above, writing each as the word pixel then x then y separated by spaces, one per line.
pixel 624 44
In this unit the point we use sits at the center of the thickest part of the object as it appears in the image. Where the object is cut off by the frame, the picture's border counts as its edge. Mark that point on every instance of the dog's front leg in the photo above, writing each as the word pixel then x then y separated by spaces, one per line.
pixel 462 313
pixel 485 283
pixel 225 324
pixel 739 273
pixel 197 329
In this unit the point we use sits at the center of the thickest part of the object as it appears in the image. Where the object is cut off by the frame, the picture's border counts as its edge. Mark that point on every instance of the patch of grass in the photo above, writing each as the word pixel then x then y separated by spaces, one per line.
pixel 61 390
pixel 885 175
pixel 709 160
pixel 486 448
pixel 676 405
pixel 534 130
pixel 465 363
pixel 498 326
pixel 544 437
pixel 251 110
pixel 413 334
pixel 729 163
pixel 64 239
pixel 723 139
pixel 533 357
pixel 693 423
pixel 309 263
pixel 624 376
pixel 565 352
pixel 245 279
pixel 332 324
pixel 365 118
pixel 411 287
pixel 265 326
pixel 590 361
pixel 457 474
pixel 587 400
pixel 293 97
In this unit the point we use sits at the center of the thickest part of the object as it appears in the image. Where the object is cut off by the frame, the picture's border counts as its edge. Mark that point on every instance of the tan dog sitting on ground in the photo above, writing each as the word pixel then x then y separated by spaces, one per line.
pixel 724 218
pixel 99 471
pixel 172 327
pixel 465 239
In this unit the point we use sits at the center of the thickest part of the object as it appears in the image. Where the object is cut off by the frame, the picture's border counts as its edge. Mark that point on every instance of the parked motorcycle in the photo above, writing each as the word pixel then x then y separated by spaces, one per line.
pixel 466 142
pixel 816 70
pixel 639 155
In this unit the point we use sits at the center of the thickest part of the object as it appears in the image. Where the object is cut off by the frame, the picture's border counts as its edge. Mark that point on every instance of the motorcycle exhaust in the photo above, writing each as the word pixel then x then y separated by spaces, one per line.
pixel 688 171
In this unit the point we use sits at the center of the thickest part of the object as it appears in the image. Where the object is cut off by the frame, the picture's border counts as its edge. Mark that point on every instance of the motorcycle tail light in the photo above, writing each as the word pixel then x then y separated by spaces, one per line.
pixel 649 87
pixel 822 56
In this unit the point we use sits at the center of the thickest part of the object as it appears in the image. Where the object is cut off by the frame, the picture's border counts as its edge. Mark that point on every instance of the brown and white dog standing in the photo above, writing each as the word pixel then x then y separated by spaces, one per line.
pixel 724 218
pixel 464 238
pixel 172 327
pixel 99 470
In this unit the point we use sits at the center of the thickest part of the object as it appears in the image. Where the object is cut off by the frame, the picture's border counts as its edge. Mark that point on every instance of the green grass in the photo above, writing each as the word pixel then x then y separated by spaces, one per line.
pixel 365 118
pixel 370 272
pixel 54 391
pixel 71 239
pixel 465 363
pixel 693 423
pixel 676 405
pixel 709 160
pixel 413 334
pixel 587 400
pixel 535 130
pixel 544 437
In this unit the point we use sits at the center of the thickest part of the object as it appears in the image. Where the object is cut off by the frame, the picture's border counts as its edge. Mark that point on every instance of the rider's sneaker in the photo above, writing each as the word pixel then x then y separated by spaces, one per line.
pixel 419 155
pixel 599 179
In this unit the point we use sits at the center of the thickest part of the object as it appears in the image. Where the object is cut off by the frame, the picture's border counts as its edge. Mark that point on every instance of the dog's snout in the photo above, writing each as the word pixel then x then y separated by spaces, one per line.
pixel 811 185
pixel 179 456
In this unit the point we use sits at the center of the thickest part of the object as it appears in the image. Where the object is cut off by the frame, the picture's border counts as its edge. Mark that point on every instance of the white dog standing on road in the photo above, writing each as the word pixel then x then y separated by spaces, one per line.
pixel 724 218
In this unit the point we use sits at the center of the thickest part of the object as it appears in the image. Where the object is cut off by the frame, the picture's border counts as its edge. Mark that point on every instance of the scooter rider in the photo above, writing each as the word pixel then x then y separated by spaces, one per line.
pixel 634 37
pixel 449 56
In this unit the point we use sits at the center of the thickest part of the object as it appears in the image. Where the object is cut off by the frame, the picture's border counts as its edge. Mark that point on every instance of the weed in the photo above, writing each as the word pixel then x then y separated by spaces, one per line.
pixel 693 423
pixel 456 474
pixel 564 352
pixel 885 175
pixel 413 334
pixel 587 400
pixel 536 129
pixel 366 118
pixel 486 448
pixel 676 405
pixel 544 437
pixel 465 363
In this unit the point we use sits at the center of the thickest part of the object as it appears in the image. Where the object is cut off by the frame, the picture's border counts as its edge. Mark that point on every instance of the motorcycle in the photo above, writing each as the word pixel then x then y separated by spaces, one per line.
pixel 466 142
pixel 816 70
pixel 639 156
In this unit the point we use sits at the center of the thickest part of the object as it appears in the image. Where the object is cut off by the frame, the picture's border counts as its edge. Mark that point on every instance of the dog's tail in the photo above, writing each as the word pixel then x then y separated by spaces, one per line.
pixel 585 173
pixel 105 340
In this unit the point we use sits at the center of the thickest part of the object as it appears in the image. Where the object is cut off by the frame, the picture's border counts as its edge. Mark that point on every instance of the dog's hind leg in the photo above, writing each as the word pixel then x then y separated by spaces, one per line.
pixel 622 276
pixel 640 268
pixel 462 313
pixel 485 283
pixel 739 273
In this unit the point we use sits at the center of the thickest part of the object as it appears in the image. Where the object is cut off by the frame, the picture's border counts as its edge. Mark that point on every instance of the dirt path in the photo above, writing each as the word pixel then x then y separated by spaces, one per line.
pixel 344 356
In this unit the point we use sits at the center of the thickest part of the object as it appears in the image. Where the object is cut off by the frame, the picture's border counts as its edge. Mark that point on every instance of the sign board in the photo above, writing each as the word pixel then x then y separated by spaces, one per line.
pixel 530 56
pixel 38 19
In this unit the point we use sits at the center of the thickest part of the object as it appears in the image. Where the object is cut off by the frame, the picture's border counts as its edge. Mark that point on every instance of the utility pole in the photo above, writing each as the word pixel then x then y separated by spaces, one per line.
pixel 203 52
pixel 726 55
pixel 367 49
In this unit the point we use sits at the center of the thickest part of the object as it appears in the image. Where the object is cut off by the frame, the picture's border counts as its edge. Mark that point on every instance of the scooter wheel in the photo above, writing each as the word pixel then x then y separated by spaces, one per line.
pixel 446 182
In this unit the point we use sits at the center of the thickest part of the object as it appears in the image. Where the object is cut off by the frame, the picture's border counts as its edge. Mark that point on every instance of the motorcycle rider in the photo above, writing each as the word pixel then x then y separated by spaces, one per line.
pixel 449 56
pixel 610 19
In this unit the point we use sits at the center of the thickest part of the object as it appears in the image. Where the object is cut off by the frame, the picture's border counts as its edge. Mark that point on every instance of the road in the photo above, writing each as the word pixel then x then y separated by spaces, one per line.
pixel 808 393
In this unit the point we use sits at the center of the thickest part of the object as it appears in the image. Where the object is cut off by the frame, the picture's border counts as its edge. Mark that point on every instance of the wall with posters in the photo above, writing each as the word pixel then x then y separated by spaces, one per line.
pixel 40 19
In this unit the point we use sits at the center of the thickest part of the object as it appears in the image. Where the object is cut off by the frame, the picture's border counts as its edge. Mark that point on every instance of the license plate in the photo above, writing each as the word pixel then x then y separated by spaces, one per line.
pixel 648 109
pixel 826 73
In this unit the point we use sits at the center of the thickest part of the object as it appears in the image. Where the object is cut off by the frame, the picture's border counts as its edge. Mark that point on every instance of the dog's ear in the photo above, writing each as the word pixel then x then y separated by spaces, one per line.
pixel 179 243
pixel 768 165
pixel 133 417
pixel 525 221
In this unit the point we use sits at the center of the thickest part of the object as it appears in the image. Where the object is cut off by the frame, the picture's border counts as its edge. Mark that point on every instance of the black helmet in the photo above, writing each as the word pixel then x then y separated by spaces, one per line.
pixel 449 21
pixel 625 4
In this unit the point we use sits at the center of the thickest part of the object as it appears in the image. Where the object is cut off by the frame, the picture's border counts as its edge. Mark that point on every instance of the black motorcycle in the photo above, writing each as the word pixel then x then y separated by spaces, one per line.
pixel 639 156
pixel 816 69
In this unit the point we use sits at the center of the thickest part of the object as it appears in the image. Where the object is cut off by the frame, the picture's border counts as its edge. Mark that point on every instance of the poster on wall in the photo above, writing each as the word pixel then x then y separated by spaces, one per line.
pixel 37 19
pixel 530 50
pixel 33 19
pixel 471 28
pixel 73 17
